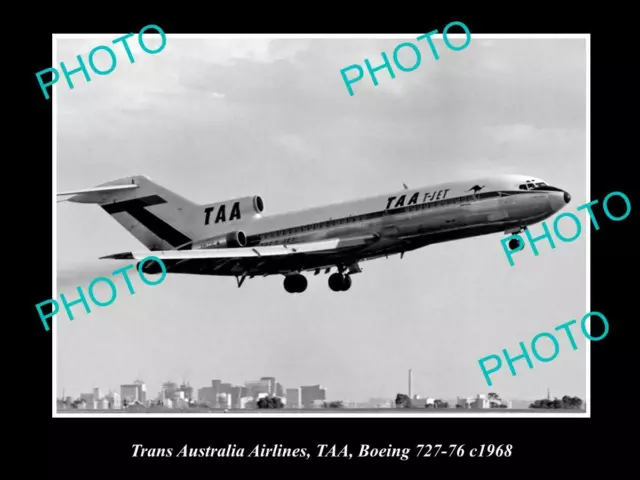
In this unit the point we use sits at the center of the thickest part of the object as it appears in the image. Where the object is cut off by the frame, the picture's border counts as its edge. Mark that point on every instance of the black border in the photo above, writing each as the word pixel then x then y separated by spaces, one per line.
pixel 84 446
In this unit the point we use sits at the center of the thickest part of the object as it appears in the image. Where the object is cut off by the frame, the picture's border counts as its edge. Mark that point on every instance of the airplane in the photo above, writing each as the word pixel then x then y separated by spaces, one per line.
pixel 235 238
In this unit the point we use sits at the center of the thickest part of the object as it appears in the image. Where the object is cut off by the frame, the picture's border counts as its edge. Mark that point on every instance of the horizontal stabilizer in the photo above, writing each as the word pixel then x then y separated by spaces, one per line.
pixel 92 195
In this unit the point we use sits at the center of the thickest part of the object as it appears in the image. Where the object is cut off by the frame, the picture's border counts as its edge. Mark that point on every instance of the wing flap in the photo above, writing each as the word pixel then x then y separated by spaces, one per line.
pixel 246 252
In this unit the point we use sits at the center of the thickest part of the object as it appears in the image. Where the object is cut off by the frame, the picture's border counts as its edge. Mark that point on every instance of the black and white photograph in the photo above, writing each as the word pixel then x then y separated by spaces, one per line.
pixel 314 226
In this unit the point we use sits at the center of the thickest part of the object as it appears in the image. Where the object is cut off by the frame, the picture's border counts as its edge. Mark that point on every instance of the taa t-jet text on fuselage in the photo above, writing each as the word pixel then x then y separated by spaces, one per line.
pixel 235 238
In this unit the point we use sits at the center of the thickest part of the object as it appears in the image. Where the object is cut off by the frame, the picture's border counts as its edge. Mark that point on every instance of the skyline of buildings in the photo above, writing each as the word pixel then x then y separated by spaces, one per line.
pixel 272 387
pixel 226 395
pixel 218 395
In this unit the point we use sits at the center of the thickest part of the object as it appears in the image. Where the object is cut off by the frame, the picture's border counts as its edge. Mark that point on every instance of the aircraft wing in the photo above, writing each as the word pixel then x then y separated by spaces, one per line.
pixel 257 260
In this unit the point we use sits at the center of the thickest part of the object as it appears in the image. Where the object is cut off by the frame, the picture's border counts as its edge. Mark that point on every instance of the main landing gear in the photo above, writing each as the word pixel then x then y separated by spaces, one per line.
pixel 296 283
pixel 338 282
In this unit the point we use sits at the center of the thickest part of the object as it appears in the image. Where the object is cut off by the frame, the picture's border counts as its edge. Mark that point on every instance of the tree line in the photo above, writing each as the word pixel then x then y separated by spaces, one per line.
pixel 566 402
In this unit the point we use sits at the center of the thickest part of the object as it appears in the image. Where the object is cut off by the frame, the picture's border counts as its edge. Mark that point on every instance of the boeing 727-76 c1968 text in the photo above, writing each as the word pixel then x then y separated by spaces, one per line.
pixel 233 238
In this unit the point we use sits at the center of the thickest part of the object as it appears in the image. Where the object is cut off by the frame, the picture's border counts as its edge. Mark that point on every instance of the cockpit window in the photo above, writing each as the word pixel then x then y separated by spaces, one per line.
pixel 531 185
pixel 539 186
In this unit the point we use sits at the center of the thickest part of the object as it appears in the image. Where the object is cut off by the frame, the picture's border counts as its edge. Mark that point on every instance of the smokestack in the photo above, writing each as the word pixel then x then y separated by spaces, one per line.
pixel 410 386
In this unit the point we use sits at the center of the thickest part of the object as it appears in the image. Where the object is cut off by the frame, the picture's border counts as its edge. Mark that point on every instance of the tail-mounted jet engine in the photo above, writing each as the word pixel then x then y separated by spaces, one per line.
pixel 221 213
pixel 228 240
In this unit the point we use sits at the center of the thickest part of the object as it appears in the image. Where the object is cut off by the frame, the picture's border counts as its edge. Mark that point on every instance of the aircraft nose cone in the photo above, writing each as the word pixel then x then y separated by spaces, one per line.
pixel 558 200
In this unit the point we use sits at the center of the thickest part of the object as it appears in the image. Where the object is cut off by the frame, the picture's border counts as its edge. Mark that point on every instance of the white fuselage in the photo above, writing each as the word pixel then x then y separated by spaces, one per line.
pixel 412 218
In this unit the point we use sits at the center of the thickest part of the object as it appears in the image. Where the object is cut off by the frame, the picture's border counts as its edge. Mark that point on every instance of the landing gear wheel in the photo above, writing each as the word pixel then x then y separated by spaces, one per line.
pixel 335 282
pixel 339 282
pixel 295 283
pixel 514 243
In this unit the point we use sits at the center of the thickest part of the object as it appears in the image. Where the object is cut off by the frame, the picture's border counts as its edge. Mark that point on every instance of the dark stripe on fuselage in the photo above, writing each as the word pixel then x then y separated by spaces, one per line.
pixel 253 240
pixel 137 209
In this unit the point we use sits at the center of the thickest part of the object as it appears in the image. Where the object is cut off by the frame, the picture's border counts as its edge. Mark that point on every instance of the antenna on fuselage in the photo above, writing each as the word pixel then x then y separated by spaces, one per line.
pixel 405 186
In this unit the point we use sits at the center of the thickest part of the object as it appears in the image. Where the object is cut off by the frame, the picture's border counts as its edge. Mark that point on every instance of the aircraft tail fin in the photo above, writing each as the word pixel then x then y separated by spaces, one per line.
pixel 156 216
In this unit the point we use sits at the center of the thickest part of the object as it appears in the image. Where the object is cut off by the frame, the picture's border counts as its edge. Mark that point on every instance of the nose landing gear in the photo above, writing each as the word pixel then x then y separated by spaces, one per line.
pixel 515 243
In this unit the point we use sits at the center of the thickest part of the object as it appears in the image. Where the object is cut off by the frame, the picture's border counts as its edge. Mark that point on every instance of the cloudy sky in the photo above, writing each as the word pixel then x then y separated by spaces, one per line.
pixel 215 119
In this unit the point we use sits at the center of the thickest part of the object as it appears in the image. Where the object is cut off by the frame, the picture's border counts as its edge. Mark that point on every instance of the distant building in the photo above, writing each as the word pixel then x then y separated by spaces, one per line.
pixel 179 400
pixel 207 395
pixel 311 393
pixel 418 402
pixel 293 398
pixel 280 390
pixel 187 390
pixel 213 394
pixel 479 402
pixel 272 384
pixel 142 391
pixel 169 390
pixel 113 401
pixel 224 400
pixel 257 387
pixel 89 400
pixel 236 396
pixel 129 393
pixel 225 388
pixel 135 392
